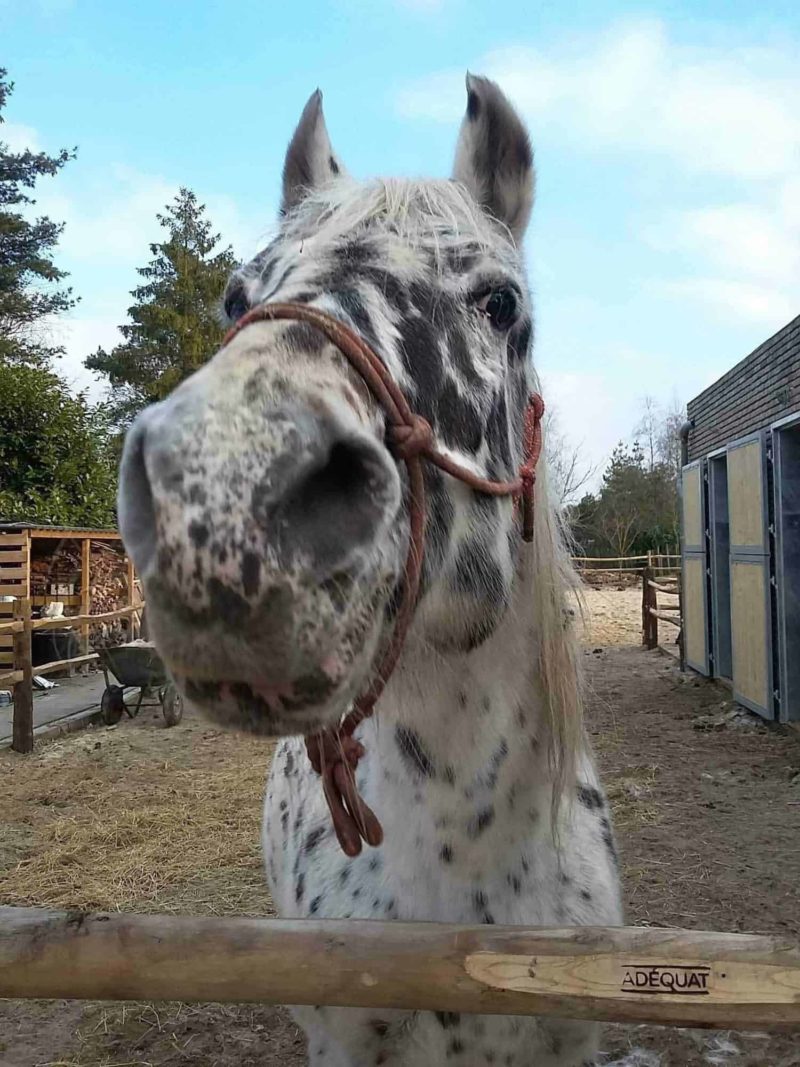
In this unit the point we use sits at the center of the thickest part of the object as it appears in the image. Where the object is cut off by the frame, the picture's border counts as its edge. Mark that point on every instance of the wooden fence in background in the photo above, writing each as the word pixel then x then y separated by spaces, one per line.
pixel 660 563
pixel 652 612
pixel 20 679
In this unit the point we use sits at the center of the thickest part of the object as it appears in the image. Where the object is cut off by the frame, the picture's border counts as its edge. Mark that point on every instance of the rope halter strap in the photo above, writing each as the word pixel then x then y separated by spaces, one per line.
pixel 334 752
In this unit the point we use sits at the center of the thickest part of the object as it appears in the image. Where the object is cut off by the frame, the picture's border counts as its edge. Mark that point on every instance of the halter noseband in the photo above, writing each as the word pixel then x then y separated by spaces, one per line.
pixel 334 752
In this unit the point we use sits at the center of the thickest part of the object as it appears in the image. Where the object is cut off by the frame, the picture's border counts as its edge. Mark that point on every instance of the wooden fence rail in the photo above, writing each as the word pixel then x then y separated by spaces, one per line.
pixel 617 974
pixel 20 680
pixel 662 564
pixel 650 607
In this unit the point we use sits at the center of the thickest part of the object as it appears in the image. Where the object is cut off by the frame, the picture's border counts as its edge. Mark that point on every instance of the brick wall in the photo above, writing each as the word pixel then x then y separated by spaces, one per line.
pixel 763 387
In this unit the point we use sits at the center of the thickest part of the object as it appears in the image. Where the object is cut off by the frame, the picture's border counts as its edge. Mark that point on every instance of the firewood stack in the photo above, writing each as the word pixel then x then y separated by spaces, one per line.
pixel 108 588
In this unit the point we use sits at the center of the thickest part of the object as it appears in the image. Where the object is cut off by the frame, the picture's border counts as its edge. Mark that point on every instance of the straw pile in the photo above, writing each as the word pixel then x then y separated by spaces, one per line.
pixel 133 818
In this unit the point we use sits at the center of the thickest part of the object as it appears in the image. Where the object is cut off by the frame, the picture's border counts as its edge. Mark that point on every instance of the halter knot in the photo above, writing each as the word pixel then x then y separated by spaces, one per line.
pixel 334 756
pixel 410 439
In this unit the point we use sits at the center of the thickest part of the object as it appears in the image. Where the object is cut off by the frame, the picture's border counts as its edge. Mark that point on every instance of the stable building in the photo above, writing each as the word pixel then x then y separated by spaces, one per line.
pixel 741 529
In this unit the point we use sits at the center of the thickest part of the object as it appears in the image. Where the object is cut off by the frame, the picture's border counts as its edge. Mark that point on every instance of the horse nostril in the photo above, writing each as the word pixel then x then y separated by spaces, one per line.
pixel 350 470
pixel 337 506
pixel 135 500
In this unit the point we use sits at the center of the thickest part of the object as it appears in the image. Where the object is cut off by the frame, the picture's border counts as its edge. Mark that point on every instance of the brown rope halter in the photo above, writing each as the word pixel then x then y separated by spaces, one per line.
pixel 334 752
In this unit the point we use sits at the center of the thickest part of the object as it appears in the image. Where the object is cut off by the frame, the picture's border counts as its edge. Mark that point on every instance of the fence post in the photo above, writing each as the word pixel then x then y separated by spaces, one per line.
pixel 86 603
pixel 645 606
pixel 22 739
pixel 649 621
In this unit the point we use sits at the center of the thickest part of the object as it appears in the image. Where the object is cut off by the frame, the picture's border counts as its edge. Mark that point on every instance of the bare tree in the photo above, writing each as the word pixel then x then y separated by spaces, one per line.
pixel 669 436
pixel 647 430
pixel 569 471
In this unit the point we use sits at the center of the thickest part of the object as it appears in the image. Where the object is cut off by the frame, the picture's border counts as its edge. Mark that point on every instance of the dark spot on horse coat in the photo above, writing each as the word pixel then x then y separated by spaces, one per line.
pixel 251 573
pixel 313 907
pixel 333 165
pixel 448 1019
pixel 199 533
pixel 608 840
pixel 446 854
pixel 227 604
pixel 413 751
pixel 481 902
pixel 313 839
pixel 455 1047
pixel 480 822
pixel 473 105
pixel 300 887
pixel 590 797
pixel 379 1027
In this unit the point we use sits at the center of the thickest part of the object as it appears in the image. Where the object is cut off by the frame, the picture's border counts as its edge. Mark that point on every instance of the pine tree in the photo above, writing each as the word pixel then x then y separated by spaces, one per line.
pixel 174 327
pixel 29 291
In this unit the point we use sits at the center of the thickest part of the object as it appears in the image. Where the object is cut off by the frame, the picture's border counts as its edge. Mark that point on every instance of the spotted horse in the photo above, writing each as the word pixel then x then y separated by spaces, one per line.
pixel 268 516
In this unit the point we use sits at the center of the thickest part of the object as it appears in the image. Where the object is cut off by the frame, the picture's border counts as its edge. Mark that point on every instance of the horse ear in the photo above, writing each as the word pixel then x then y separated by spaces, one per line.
pixel 494 158
pixel 310 161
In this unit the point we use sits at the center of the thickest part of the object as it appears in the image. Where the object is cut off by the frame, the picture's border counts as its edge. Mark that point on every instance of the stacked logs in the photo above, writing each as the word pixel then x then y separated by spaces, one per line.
pixel 108 588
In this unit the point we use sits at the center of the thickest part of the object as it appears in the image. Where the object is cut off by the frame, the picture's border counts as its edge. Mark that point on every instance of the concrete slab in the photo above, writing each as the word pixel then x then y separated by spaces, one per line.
pixel 72 697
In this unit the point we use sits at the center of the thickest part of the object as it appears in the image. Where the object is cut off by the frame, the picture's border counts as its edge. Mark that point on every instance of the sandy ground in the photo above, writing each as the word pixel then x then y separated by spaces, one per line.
pixel 706 800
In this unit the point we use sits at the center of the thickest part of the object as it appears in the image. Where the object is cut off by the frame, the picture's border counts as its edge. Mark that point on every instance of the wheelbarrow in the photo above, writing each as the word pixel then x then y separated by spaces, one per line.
pixel 137 665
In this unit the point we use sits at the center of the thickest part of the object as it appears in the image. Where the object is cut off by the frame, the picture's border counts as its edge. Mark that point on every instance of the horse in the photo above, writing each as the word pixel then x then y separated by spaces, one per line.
pixel 269 517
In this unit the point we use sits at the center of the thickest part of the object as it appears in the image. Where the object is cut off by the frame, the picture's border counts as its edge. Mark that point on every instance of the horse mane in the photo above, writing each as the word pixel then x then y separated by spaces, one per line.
pixel 435 214
pixel 548 577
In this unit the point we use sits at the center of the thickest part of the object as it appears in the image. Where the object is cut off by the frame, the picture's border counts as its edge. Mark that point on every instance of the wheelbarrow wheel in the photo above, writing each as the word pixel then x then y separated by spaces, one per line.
pixel 112 704
pixel 172 706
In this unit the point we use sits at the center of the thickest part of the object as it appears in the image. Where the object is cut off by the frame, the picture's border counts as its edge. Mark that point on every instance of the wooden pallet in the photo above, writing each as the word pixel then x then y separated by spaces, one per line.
pixel 14 572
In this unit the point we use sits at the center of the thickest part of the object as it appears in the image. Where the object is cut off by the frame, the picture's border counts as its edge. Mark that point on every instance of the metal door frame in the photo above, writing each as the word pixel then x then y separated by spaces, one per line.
pixel 755 550
pixel 756 554
pixel 718 453
pixel 786 423
pixel 697 552
pixel 768 711
pixel 703 668
pixel 685 547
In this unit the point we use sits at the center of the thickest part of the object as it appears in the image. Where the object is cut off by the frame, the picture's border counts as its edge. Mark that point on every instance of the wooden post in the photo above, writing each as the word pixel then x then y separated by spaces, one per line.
pixel 645 605
pixel 649 621
pixel 131 574
pixel 616 974
pixel 86 596
pixel 22 739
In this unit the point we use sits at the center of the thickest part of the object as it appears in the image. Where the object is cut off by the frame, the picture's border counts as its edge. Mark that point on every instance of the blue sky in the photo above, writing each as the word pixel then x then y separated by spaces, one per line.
pixel 665 243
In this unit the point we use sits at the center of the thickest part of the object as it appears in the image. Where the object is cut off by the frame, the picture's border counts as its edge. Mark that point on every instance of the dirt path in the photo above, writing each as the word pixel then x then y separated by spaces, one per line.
pixel 707 804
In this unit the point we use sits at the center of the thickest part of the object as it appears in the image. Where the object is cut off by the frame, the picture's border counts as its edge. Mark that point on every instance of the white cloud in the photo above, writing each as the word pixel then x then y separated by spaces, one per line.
pixel 742 300
pixel 754 247
pixel 114 222
pixel 81 335
pixel 741 238
pixel 110 224
pixel 19 137
pixel 725 111
pixel 591 415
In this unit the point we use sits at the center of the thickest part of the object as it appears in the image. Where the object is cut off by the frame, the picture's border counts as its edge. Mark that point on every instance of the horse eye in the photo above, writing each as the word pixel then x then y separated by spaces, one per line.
pixel 500 307
pixel 236 304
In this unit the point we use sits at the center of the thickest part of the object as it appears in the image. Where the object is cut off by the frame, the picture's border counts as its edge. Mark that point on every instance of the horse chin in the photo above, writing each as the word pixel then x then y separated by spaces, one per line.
pixel 314 700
